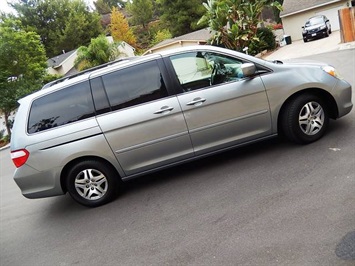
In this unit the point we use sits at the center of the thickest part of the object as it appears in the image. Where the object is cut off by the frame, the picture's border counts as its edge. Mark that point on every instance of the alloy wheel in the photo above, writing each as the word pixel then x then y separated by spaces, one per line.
pixel 91 184
pixel 311 118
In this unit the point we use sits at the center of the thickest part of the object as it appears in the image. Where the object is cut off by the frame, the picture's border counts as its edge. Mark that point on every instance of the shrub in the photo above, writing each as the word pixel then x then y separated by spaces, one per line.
pixel 267 39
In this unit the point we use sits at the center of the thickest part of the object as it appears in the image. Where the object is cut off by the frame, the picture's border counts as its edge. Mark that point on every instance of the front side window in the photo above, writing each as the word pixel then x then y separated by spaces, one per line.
pixel 196 70
pixel 61 107
pixel 134 85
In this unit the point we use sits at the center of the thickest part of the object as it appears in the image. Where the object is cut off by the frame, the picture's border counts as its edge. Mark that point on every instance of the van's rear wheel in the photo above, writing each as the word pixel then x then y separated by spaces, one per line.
pixel 92 183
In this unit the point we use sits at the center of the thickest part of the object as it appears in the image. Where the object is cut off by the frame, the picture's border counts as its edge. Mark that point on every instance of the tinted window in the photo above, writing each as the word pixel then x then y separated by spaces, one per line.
pixel 61 107
pixel 134 85
pixel 100 97
pixel 197 70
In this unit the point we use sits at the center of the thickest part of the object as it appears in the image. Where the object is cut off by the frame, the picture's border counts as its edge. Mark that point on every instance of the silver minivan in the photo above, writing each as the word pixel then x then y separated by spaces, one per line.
pixel 86 133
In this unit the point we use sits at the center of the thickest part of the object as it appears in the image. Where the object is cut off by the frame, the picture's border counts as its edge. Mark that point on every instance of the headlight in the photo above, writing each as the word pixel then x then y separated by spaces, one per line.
pixel 323 27
pixel 331 71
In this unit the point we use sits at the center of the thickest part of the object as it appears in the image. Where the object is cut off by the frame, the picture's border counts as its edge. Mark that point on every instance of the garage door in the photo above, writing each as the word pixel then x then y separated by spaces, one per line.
pixel 332 15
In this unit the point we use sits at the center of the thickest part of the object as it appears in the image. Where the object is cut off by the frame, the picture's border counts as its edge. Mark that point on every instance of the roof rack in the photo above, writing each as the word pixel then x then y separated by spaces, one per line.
pixel 50 84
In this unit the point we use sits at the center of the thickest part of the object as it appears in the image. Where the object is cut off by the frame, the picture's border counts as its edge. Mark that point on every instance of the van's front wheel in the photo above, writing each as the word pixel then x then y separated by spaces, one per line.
pixel 92 183
pixel 305 119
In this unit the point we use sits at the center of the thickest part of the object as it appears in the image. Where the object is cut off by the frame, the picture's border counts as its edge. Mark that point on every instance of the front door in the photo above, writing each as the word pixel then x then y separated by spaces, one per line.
pixel 221 107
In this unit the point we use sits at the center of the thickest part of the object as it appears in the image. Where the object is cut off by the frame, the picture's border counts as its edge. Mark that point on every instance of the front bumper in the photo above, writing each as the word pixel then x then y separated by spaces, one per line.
pixel 342 93
pixel 315 35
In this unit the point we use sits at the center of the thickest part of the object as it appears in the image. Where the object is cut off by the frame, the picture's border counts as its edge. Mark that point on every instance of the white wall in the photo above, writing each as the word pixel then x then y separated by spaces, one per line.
pixel 124 48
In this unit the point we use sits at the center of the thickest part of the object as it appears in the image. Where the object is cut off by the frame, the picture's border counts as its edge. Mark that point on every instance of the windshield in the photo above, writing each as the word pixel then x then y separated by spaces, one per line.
pixel 314 21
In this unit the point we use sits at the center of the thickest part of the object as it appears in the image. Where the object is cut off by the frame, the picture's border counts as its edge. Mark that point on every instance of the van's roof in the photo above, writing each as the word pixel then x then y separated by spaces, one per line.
pixel 123 62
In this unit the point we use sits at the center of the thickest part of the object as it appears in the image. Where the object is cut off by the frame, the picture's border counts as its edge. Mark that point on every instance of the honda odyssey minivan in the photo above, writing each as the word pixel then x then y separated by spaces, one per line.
pixel 86 133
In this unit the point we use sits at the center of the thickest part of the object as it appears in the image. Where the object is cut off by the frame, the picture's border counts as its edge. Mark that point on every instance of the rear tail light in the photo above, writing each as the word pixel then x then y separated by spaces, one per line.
pixel 19 157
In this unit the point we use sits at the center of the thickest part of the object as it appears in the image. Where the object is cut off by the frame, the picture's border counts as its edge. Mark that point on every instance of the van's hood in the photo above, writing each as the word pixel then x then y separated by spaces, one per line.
pixel 304 62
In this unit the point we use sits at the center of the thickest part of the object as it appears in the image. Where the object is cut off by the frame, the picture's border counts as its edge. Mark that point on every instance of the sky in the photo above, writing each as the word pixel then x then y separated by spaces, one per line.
pixel 4 7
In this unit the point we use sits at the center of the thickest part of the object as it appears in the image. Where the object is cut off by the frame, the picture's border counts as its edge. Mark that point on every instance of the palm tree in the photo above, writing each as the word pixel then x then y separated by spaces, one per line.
pixel 99 51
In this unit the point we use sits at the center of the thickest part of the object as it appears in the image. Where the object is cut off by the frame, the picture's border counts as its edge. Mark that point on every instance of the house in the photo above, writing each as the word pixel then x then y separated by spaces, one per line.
pixel 63 64
pixel 296 12
pixel 192 38
pixel 126 49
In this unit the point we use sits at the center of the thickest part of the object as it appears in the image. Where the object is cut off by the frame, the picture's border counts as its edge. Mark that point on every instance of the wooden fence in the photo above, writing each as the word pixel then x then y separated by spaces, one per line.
pixel 347 24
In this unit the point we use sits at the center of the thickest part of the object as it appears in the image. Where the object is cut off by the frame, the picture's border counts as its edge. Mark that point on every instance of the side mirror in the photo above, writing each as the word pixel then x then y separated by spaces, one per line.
pixel 248 69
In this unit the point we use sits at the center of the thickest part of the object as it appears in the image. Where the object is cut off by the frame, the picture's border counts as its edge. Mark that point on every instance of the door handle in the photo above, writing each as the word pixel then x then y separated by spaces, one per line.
pixel 196 101
pixel 164 110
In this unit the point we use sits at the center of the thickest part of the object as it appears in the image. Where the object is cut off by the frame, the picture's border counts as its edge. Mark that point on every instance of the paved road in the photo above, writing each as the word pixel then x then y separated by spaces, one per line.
pixel 273 203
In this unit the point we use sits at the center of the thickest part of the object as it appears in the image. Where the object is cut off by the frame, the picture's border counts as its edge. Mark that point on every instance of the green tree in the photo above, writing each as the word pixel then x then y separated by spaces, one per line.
pixel 62 24
pixel 141 11
pixel 181 16
pixel 160 36
pixel 99 51
pixel 105 6
pixel 116 3
pixel 277 11
pixel 22 66
pixel 235 21
pixel 102 7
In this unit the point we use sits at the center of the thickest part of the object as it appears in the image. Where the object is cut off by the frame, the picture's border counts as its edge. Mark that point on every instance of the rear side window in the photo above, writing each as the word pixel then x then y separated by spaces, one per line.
pixel 134 85
pixel 60 108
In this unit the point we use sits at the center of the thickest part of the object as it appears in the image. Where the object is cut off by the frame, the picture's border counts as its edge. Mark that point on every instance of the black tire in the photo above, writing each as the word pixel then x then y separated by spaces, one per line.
pixel 304 119
pixel 92 183
pixel 305 40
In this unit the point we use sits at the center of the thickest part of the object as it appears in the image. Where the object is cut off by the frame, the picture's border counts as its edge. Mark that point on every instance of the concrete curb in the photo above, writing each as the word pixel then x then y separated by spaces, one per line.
pixel 346 46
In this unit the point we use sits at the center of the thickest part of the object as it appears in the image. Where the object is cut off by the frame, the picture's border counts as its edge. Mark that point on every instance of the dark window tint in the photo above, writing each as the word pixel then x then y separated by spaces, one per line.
pixel 134 85
pixel 61 107
pixel 100 97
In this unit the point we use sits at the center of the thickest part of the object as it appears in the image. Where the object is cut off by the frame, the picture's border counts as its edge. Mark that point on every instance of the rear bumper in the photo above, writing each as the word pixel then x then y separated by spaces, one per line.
pixel 35 184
